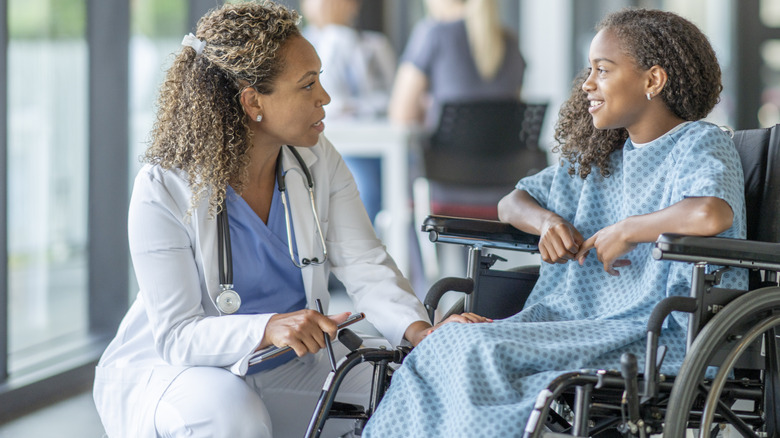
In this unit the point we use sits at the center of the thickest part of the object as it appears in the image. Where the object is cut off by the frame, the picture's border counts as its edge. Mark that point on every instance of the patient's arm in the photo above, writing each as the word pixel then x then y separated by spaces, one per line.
pixel 559 241
pixel 702 216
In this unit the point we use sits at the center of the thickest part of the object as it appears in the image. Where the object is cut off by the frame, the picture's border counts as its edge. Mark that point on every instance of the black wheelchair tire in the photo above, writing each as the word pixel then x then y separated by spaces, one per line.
pixel 744 309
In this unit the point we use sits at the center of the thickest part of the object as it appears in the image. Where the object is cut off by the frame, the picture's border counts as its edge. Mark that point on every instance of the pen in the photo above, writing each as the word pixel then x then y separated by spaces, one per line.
pixel 328 345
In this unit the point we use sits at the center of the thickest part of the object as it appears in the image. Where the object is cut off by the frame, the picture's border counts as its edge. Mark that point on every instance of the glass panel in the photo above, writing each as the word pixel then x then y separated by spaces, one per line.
pixel 157 27
pixel 769 112
pixel 714 17
pixel 47 177
pixel 769 13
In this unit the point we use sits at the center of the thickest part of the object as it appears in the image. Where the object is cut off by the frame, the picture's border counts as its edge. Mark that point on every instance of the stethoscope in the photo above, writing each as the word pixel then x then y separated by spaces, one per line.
pixel 228 301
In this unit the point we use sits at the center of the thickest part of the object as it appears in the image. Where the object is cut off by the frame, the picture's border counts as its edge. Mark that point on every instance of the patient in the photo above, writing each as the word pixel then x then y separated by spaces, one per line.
pixel 636 161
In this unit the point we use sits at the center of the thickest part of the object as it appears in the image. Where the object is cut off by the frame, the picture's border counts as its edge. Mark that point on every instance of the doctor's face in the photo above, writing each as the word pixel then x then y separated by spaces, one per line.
pixel 293 112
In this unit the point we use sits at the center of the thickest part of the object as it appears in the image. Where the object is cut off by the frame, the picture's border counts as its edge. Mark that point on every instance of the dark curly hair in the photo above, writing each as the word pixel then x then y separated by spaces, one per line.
pixel 201 126
pixel 650 37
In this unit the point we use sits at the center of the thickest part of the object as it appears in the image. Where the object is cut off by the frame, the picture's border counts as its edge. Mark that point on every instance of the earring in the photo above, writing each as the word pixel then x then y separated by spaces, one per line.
pixel 648 95
pixel 259 117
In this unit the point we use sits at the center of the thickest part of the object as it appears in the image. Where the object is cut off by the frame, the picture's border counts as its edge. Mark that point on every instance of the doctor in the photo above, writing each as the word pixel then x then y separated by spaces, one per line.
pixel 240 91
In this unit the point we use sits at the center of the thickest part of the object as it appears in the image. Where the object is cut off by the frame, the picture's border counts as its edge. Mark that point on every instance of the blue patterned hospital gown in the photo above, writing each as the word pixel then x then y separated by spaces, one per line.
pixel 482 379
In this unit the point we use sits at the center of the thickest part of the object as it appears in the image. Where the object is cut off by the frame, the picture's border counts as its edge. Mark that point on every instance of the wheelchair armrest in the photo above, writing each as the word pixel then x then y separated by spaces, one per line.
pixel 723 251
pixel 479 233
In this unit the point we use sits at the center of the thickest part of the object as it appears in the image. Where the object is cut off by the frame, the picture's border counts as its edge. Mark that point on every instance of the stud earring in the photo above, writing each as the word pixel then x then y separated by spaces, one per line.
pixel 259 117
pixel 648 95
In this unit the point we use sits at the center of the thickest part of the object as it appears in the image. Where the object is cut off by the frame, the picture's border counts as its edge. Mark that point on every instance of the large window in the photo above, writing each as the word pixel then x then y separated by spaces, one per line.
pixel 157 28
pixel 769 112
pixel 63 193
pixel 47 178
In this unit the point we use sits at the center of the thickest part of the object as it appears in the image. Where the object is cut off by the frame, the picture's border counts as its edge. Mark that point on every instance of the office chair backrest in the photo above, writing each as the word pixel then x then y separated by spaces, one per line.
pixel 759 150
pixel 493 142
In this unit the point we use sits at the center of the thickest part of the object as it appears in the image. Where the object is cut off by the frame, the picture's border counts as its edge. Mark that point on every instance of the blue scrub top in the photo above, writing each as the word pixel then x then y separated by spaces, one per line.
pixel 263 273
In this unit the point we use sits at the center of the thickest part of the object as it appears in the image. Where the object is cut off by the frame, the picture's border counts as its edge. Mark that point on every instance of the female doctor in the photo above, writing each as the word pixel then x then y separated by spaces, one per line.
pixel 233 234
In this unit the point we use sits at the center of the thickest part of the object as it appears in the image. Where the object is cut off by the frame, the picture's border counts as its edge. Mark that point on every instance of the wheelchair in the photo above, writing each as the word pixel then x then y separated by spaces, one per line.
pixel 730 376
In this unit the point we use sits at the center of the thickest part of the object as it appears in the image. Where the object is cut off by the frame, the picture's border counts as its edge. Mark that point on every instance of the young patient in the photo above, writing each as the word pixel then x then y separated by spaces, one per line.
pixel 637 161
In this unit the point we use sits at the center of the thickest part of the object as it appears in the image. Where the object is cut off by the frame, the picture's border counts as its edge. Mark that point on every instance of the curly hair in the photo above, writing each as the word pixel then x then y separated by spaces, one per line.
pixel 649 37
pixel 201 126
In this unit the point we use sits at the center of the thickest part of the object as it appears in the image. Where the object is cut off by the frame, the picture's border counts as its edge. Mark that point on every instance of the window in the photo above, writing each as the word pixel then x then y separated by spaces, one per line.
pixel 47 178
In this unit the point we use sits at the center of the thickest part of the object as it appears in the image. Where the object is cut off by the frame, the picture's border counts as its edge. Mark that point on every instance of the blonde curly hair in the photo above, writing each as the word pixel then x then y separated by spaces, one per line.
pixel 201 126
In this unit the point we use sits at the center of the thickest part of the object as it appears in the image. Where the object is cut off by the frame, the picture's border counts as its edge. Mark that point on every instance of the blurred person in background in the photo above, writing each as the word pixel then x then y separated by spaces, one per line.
pixel 358 67
pixel 462 52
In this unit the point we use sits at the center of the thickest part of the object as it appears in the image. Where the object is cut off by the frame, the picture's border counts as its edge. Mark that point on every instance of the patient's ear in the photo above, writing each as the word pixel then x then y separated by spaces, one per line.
pixel 656 80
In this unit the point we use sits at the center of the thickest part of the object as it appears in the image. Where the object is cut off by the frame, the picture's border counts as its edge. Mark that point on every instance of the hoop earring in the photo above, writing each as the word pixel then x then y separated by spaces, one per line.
pixel 648 95
pixel 259 117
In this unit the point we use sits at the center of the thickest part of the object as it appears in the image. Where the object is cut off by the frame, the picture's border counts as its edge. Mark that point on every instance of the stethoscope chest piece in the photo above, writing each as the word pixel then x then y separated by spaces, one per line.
pixel 228 301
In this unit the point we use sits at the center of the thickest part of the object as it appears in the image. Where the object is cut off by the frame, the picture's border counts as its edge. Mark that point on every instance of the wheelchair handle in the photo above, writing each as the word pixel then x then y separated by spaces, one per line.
pixel 457 284
pixel 350 339
pixel 667 306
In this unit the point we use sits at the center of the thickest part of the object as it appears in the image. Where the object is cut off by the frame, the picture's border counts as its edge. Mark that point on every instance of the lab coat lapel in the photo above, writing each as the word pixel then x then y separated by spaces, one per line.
pixel 306 237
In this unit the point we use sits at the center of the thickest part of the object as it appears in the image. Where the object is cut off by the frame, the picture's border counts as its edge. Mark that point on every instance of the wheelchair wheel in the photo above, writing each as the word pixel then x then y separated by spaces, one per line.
pixel 757 311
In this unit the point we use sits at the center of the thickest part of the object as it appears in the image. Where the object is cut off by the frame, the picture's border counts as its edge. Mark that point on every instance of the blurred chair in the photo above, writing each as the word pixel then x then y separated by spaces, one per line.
pixel 474 157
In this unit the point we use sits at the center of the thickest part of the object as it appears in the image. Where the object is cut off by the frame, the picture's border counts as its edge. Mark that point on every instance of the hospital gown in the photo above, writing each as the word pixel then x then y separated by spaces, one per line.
pixel 483 379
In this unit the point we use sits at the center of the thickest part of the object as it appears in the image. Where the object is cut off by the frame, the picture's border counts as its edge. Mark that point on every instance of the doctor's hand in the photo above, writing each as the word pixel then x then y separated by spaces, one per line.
pixel 559 241
pixel 301 330
pixel 610 244
pixel 417 331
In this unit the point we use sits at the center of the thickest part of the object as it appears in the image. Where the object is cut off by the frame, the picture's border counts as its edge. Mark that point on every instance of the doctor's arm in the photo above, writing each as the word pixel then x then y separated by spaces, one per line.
pixel 418 330
pixel 165 257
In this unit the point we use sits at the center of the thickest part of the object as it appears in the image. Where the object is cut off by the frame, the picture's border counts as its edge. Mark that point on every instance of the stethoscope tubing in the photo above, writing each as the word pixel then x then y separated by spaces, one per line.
pixel 225 254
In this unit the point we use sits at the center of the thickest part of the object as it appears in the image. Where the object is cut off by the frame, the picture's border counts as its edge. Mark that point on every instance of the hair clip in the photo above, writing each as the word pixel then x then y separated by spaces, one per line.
pixel 192 41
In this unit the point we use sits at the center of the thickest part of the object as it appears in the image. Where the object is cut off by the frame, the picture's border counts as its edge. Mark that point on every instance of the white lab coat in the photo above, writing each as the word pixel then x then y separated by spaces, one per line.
pixel 174 322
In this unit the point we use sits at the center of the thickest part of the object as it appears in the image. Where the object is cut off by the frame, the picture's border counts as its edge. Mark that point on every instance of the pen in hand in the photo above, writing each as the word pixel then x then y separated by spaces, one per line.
pixel 328 345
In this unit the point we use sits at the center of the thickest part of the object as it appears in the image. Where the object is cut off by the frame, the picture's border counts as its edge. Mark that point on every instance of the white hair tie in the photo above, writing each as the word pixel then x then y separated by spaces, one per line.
pixel 192 41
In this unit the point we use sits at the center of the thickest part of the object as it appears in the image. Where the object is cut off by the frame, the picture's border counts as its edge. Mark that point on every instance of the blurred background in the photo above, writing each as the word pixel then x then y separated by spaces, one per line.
pixel 78 83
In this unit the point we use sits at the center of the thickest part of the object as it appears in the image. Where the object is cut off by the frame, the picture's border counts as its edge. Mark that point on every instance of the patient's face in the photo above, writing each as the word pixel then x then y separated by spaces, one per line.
pixel 615 86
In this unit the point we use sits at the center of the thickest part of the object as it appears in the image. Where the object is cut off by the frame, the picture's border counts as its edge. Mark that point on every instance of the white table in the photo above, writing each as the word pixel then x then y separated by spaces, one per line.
pixel 390 143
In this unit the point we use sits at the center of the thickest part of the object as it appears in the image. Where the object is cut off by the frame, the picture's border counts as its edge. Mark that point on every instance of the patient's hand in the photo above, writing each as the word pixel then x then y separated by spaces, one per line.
pixel 559 241
pixel 610 244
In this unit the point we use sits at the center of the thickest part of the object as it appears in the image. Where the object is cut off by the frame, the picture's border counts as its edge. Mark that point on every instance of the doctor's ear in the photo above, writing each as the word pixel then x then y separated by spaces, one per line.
pixel 251 103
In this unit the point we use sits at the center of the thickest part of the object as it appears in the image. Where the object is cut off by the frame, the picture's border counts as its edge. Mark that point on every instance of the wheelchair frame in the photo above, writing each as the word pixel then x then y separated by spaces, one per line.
pixel 660 405
pixel 596 401
pixel 733 330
